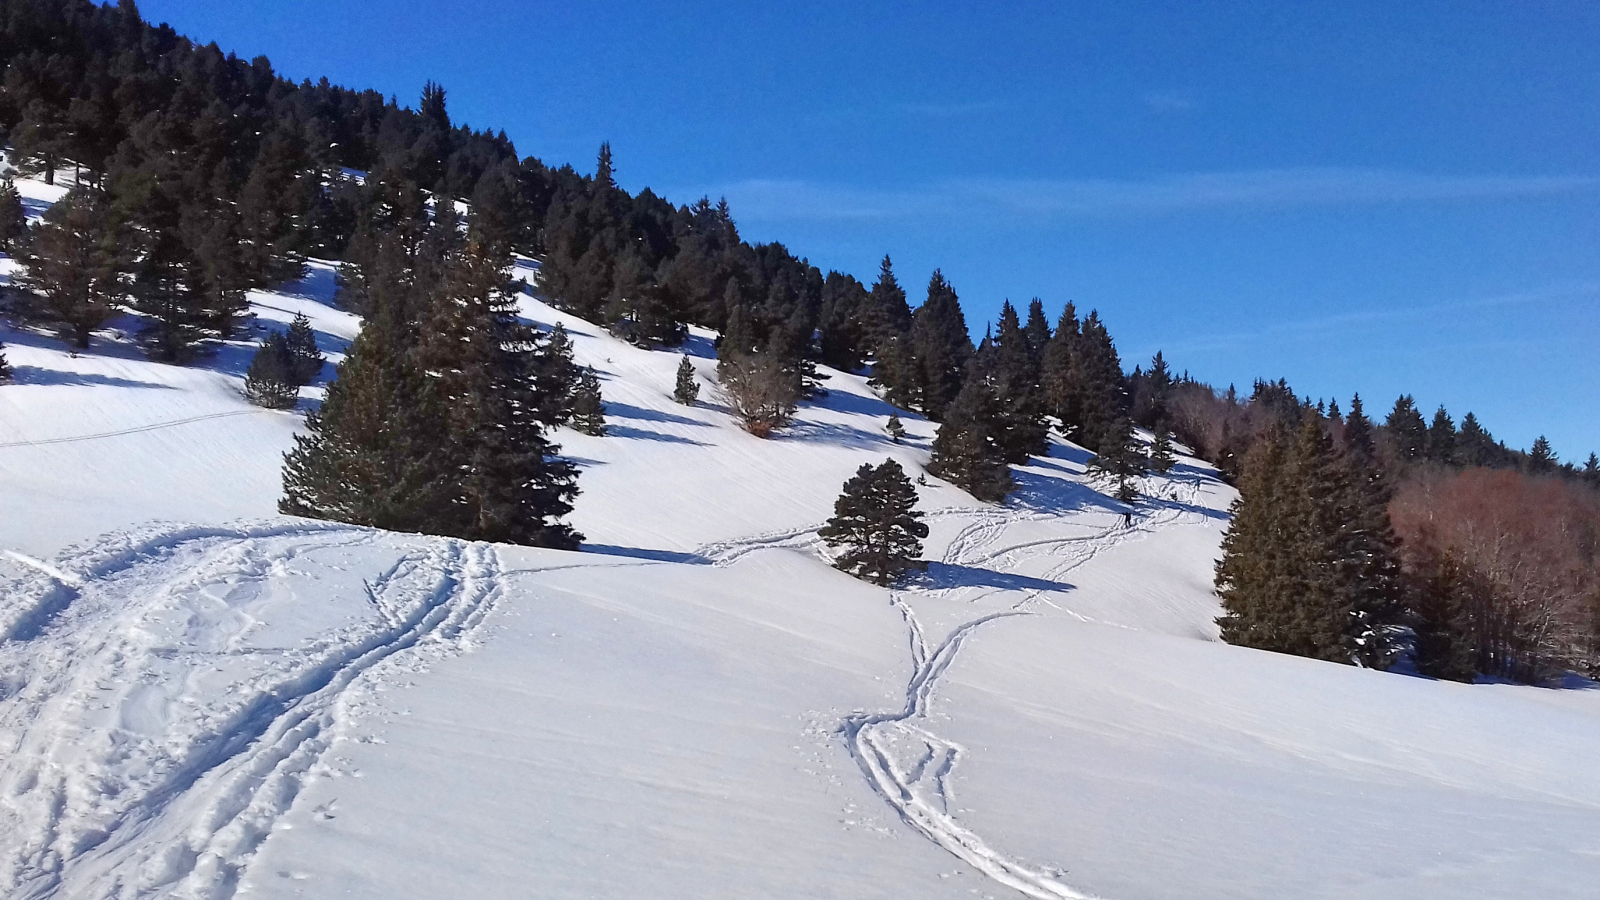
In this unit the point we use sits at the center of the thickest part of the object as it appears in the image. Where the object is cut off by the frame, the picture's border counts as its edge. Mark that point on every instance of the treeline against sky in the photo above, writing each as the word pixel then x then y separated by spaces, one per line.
pixel 196 175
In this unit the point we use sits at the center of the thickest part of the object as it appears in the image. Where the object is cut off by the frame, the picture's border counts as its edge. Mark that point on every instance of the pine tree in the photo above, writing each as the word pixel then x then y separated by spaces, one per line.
pixel 1308 563
pixel 874 519
pixel 941 346
pixel 1407 431
pixel 554 375
pixel 1037 331
pixel 6 373
pixel 966 450
pixel 1591 470
pixel 1541 459
pixel 13 220
pixel 895 428
pixel 886 315
pixel 588 408
pixel 75 263
pixel 1442 438
pixel 604 177
pixel 1010 365
pixel 439 436
pixel 271 380
pixel 301 342
pixel 1161 457
pixel 687 389
pixel 1121 460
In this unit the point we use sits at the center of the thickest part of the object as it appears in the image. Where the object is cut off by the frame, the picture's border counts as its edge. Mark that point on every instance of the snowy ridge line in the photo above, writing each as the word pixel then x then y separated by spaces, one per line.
pixel 31 604
pixel 155 426
pixel 192 808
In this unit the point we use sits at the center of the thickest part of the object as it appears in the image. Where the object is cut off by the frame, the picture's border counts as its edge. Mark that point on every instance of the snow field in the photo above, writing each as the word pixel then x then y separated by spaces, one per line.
pixel 239 704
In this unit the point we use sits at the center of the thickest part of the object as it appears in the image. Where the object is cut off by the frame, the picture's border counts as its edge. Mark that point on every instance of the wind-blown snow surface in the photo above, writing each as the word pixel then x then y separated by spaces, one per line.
pixel 235 703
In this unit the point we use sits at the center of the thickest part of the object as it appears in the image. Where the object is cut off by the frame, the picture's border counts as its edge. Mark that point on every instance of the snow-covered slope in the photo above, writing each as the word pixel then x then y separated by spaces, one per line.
pixel 234 703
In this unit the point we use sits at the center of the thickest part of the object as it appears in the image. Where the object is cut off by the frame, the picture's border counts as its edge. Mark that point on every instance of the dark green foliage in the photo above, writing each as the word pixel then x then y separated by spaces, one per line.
pixel 1308 564
pixel 1161 457
pixel 75 264
pixel 940 345
pixel 1121 460
pixel 895 428
pixel 687 390
pixel 1541 459
pixel 1591 471
pixel 1408 434
pixel 301 342
pixel 1007 369
pixel 1442 438
pixel 13 220
pixel 554 375
pixel 1082 380
pixel 874 519
pixel 588 408
pixel 5 367
pixel 271 381
pixel 1037 330
pixel 885 315
pixel 433 426
pixel 967 451
pixel 1442 601
pixel 842 322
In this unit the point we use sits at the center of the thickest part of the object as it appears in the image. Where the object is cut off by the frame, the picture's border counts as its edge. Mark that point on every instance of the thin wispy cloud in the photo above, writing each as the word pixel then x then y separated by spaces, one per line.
pixel 780 199
pixel 1321 328
pixel 1170 101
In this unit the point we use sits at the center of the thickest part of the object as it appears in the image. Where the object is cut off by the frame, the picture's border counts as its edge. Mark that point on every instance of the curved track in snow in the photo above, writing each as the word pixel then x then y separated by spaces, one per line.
pixel 104 793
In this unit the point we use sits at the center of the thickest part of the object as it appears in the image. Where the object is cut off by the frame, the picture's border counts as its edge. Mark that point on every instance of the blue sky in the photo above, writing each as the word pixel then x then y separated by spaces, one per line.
pixel 1365 196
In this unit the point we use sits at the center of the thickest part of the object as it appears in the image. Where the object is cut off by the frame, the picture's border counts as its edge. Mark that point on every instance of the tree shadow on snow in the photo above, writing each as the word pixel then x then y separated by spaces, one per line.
pixel 36 375
pixel 1058 496
pixel 629 411
pixel 639 434
pixel 672 556
pixel 944 576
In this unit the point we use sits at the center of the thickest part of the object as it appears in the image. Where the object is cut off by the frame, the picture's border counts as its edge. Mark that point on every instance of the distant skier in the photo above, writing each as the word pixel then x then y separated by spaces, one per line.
pixel 1127 520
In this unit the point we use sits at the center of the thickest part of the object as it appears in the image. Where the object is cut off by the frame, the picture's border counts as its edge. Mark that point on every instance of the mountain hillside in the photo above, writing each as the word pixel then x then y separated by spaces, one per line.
pixel 200 698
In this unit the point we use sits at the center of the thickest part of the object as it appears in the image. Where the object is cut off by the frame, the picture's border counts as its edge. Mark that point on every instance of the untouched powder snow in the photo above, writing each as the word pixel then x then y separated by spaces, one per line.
pixel 202 699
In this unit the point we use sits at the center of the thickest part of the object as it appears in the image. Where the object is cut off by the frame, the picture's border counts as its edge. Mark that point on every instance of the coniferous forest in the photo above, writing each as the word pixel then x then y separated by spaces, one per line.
pixel 1385 541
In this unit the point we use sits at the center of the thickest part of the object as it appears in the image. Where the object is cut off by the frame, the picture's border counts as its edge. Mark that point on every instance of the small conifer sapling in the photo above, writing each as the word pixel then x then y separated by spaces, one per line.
pixel 270 381
pixel 687 390
pixel 895 428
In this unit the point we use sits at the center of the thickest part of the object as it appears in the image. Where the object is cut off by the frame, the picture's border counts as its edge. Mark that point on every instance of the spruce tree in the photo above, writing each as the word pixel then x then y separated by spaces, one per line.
pixel 588 408
pixel 6 373
pixel 13 219
pixel 1442 438
pixel 941 346
pixel 886 315
pixel 967 451
pixel 687 390
pixel 895 428
pixel 434 427
pixel 75 264
pixel 1407 432
pixel 1037 330
pixel 1010 364
pixel 875 521
pixel 1161 457
pixel 1541 459
pixel 554 375
pixel 1121 460
pixel 271 380
pixel 301 342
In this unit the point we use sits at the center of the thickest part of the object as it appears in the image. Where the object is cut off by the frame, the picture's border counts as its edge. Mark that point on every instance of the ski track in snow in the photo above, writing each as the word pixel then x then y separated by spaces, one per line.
pixel 903 761
pixel 90 807
pixel 100 796
pixel 907 764
pixel 154 426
